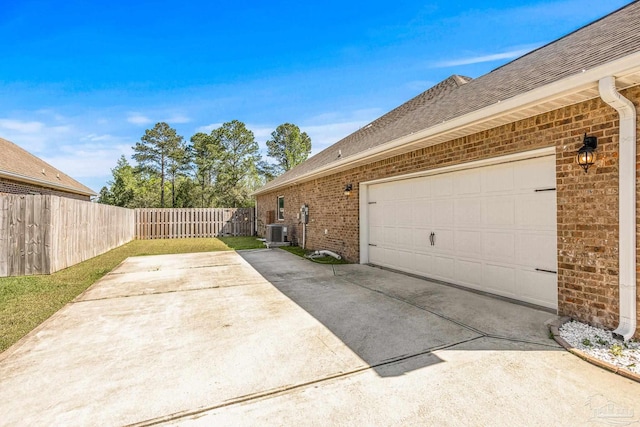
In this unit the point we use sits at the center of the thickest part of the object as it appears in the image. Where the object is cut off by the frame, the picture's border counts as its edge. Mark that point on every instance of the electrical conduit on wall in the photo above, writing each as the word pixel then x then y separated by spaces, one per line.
pixel 627 205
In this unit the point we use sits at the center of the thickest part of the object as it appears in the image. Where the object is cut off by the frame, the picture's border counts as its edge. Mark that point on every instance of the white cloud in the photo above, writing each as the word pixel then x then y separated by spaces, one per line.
pixel 138 119
pixel 208 128
pixel 21 126
pixel 485 58
pixel 178 118
pixel 33 136
pixel 96 138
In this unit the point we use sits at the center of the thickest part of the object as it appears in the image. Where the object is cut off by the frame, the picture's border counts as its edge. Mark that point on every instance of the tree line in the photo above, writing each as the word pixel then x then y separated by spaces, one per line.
pixel 219 169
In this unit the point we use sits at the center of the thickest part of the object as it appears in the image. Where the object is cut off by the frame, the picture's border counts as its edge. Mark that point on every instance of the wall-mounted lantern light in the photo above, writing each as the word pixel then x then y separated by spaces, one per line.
pixel 586 156
pixel 347 189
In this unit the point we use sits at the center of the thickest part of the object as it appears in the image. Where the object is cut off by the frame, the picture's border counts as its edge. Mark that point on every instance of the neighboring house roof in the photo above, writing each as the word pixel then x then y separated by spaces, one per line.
pixel 18 164
pixel 458 106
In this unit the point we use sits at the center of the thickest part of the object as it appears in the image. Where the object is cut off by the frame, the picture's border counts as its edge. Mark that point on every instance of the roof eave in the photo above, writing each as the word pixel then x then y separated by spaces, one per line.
pixel 546 98
pixel 43 183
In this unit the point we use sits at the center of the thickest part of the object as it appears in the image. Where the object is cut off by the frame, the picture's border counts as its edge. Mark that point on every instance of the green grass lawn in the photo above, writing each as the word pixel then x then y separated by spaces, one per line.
pixel 297 250
pixel 240 243
pixel 27 301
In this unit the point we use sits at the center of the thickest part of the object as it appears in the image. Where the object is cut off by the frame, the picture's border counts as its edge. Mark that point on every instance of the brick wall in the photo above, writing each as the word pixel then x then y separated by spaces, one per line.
pixel 15 187
pixel 587 203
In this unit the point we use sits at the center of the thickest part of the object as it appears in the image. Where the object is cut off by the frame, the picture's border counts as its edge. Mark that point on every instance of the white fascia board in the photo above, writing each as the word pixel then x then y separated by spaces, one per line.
pixel 569 85
pixel 43 183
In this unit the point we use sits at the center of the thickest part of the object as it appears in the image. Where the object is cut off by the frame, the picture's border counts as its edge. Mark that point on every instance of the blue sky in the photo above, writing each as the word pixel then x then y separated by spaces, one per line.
pixel 80 81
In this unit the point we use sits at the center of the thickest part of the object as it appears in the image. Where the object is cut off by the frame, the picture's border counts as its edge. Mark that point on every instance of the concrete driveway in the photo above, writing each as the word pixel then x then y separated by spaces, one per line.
pixel 266 338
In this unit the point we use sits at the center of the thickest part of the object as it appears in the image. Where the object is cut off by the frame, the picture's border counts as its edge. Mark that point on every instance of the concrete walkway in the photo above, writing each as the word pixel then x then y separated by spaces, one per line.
pixel 267 338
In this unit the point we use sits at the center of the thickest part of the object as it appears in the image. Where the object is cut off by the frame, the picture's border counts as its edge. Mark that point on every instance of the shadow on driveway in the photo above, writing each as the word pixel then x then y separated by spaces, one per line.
pixel 384 317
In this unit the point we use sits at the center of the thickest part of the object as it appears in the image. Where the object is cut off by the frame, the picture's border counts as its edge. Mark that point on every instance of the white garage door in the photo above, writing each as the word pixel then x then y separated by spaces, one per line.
pixel 491 228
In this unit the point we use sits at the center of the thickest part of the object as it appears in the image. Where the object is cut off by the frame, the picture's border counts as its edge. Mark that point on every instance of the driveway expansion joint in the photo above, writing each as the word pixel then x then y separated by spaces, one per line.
pixel 117 273
pixel 461 324
pixel 288 388
pixel 177 291
pixel 440 315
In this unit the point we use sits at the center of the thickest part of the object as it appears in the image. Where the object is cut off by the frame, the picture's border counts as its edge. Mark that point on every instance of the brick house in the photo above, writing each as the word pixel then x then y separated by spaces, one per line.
pixel 476 182
pixel 23 173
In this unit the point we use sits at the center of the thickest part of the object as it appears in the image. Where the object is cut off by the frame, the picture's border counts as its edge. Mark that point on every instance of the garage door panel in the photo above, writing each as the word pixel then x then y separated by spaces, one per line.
pixel 376 255
pixel 535 174
pixel 537 250
pixel 375 193
pixel 441 186
pixel 422 187
pixel 499 246
pixel 390 237
pixel 467 272
pixel 421 213
pixel 376 235
pixel 499 212
pixel 405 237
pixel 537 210
pixel 382 192
pixel 467 183
pixel 404 191
pixel 468 243
pixel 468 211
pixel 442 212
pixel 402 260
pixel 491 228
pixel 421 241
pixel 443 267
pixel 443 240
pixel 423 263
pixel 404 212
pixel 499 279
pixel 376 215
pixel 497 178
pixel 389 213
pixel 538 288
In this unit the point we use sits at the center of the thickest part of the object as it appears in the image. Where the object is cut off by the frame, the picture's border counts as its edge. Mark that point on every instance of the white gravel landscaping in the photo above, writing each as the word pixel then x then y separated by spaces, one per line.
pixel 601 345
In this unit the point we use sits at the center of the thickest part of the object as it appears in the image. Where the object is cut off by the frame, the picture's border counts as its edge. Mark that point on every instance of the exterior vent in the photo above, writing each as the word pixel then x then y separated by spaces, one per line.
pixel 276 233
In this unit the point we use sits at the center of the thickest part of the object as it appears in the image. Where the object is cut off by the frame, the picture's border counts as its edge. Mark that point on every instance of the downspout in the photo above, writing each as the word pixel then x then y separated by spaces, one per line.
pixel 627 205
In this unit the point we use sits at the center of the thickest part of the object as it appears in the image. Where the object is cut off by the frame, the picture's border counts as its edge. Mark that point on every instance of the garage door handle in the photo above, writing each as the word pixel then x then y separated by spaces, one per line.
pixel 546 271
pixel 432 238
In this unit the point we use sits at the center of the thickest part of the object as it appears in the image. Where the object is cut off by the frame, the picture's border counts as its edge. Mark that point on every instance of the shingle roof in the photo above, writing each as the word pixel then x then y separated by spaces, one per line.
pixel 20 165
pixel 612 37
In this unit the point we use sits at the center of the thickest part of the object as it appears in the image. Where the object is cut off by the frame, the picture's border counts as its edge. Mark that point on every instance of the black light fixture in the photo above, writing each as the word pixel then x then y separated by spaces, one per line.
pixel 347 189
pixel 586 156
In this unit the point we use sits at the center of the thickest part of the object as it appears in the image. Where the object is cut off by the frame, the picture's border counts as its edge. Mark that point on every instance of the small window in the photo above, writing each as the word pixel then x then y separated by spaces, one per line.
pixel 280 208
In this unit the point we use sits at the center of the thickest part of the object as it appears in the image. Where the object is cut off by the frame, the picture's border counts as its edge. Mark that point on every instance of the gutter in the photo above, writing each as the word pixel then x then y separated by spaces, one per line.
pixel 568 85
pixel 627 206
pixel 42 182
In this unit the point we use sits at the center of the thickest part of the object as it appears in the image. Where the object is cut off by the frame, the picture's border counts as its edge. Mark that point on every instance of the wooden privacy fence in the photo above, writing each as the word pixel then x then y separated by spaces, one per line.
pixel 156 223
pixel 41 234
